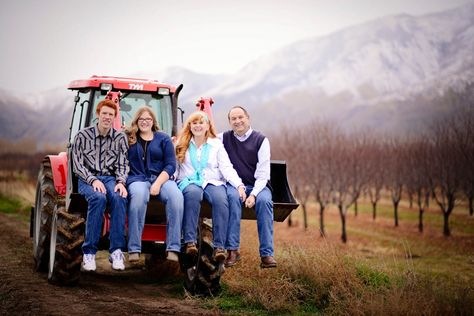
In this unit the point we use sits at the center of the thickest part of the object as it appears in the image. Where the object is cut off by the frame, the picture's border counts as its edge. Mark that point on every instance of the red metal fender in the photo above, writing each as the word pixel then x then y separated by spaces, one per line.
pixel 59 169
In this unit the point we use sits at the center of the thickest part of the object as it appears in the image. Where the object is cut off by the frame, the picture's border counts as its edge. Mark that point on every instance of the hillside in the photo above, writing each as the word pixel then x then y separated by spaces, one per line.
pixel 390 62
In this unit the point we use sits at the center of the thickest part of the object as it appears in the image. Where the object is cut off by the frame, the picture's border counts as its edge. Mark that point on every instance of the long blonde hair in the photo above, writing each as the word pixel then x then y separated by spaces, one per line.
pixel 185 134
pixel 133 130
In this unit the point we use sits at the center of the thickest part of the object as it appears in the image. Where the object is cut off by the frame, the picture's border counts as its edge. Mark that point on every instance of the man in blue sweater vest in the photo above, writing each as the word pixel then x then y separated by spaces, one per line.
pixel 249 152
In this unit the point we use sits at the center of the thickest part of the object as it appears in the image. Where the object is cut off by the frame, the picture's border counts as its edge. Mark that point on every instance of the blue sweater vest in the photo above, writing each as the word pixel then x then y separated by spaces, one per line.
pixel 244 155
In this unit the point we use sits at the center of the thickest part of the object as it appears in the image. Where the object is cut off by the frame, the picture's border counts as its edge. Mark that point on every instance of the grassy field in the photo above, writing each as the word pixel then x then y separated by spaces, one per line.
pixel 17 185
pixel 382 269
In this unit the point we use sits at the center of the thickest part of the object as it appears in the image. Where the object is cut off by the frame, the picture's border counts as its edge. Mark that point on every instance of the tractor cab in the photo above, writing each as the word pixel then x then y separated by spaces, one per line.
pixel 132 94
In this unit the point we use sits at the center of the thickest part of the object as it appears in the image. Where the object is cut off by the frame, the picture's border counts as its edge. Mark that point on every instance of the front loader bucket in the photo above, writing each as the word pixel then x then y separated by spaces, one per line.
pixel 283 201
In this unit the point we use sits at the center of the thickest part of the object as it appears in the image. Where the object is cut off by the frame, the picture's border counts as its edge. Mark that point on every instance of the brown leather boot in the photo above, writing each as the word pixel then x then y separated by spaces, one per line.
pixel 268 262
pixel 191 249
pixel 232 257
pixel 219 255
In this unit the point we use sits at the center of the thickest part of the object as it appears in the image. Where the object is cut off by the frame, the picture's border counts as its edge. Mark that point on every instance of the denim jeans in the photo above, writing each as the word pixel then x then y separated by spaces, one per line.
pixel 97 203
pixel 264 213
pixel 139 195
pixel 235 215
pixel 216 196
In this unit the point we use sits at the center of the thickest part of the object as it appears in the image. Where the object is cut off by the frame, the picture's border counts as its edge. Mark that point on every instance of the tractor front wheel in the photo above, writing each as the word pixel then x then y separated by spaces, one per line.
pixel 45 201
pixel 65 252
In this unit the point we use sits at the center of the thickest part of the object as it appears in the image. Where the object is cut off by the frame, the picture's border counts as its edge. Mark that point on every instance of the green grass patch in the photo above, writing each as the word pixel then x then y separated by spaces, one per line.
pixel 235 305
pixel 9 205
pixel 372 277
pixel 231 304
pixel 14 207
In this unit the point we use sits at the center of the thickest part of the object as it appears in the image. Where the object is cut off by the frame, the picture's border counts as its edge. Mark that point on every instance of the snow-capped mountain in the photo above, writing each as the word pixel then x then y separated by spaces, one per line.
pixel 392 55
pixel 42 118
pixel 391 59
pixel 47 100
pixel 194 84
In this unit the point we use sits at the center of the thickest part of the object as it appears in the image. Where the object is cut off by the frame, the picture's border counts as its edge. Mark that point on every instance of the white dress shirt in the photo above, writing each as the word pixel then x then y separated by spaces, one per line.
pixel 262 171
pixel 218 170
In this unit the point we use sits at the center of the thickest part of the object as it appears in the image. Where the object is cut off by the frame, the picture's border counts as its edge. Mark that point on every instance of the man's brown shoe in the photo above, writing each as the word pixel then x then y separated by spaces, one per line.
pixel 219 255
pixel 232 257
pixel 191 249
pixel 268 262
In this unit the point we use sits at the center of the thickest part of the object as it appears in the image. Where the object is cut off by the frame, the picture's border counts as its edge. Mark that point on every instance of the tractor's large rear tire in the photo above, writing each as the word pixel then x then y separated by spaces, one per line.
pixel 203 274
pixel 67 236
pixel 45 201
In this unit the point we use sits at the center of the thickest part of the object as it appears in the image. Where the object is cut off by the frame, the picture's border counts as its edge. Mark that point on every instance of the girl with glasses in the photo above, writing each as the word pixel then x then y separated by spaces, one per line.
pixel 152 164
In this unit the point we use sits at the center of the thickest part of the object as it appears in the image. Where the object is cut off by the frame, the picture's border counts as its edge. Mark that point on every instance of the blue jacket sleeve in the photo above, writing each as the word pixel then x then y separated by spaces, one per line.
pixel 169 156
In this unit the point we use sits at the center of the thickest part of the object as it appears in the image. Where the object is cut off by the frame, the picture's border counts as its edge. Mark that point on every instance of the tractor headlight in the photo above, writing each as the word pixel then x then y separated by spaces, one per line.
pixel 163 91
pixel 106 86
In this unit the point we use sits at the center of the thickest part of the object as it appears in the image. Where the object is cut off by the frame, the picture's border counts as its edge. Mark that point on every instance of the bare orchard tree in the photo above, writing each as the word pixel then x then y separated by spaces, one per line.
pixel 292 146
pixel 304 163
pixel 303 194
pixel 323 149
pixel 418 175
pixel 341 179
pixel 446 173
pixel 347 178
pixel 453 156
pixel 362 147
pixel 395 165
pixel 464 133
pixel 376 173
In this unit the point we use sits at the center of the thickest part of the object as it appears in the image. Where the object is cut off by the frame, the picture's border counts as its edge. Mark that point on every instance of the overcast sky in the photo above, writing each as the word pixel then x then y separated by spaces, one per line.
pixel 47 43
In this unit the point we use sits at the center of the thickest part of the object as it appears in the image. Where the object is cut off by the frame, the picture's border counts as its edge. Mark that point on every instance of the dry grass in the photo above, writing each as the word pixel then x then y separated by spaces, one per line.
pixel 376 273
pixel 17 185
pixel 19 188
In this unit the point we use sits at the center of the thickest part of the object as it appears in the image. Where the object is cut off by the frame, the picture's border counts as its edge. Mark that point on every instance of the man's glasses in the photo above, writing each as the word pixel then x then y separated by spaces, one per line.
pixel 148 120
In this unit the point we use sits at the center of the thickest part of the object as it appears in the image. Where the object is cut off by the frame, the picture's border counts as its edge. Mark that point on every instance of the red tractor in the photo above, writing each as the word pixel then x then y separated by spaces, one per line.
pixel 59 214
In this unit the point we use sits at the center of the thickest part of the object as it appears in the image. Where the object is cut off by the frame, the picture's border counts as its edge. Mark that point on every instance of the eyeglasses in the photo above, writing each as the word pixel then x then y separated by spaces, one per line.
pixel 148 120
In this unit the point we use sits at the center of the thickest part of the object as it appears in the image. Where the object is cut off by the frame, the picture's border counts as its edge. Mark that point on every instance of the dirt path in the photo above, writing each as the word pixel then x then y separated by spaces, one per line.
pixel 106 292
